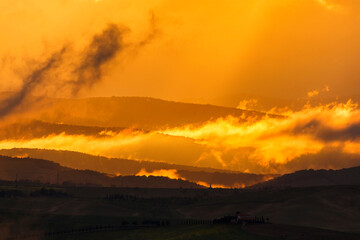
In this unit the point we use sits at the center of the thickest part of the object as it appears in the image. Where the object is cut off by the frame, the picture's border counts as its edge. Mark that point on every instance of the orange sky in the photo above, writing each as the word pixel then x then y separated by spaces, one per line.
pixel 200 49
pixel 192 51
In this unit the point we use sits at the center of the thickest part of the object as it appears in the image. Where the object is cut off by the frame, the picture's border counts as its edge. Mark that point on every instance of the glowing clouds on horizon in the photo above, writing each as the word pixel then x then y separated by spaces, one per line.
pixel 126 144
pixel 169 173
pixel 313 93
pixel 173 174
pixel 271 142
pixel 208 185
pixel 319 137
pixel 316 92
pixel 247 104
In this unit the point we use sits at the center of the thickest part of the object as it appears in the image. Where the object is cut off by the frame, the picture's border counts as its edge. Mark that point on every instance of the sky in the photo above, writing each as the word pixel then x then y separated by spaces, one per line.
pixel 180 50
pixel 205 51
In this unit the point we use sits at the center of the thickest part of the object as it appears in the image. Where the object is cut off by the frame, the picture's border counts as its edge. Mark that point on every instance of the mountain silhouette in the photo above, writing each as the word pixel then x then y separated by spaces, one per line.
pixel 44 171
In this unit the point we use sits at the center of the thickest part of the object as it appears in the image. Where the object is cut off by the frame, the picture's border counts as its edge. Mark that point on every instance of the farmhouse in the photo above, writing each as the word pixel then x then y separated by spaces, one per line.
pixel 243 217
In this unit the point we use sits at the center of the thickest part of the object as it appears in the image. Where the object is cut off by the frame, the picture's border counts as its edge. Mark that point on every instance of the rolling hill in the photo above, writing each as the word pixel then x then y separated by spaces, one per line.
pixel 83 161
pixel 138 112
pixel 37 129
pixel 326 207
pixel 43 171
pixel 131 167
pixel 310 178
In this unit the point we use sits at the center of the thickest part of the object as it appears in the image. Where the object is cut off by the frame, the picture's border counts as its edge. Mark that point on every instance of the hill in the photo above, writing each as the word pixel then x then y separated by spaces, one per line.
pixel 327 207
pixel 118 166
pixel 43 171
pixel 330 207
pixel 139 112
pixel 310 178
pixel 30 129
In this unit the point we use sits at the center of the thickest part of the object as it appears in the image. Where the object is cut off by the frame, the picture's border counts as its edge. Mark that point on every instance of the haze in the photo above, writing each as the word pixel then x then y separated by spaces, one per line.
pixel 200 51
pixel 283 73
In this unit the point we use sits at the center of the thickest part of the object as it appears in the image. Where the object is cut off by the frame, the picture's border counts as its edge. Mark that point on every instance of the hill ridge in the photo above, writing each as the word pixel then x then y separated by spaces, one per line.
pixel 312 178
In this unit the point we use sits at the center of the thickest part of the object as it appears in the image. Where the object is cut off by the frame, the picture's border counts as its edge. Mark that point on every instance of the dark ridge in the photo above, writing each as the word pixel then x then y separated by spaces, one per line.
pixel 311 178
pixel 43 171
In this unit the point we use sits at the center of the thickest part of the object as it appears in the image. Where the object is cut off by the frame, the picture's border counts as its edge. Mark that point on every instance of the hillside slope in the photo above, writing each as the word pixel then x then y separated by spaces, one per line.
pixel 327 207
pixel 79 160
pixel 139 112
pixel 44 171
pixel 309 178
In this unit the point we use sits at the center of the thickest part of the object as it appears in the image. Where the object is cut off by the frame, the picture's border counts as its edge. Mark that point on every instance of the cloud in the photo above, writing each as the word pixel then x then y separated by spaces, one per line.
pixel 319 137
pixel 85 73
pixel 69 71
pixel 169 173
pixel 248 104
pixel 348 133
pixel 327 158
pixel 313 93
pixel 269 144
pixel 328 5
pixel 102 49
pixel 153 33
pixel 35 78
pixel 269 47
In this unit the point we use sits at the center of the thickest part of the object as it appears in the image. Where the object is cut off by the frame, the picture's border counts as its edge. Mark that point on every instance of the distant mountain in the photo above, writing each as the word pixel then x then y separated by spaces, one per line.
pixel 310 178
pixel 44 171
pixel 131 167
pixel 37 129
pixel 138 112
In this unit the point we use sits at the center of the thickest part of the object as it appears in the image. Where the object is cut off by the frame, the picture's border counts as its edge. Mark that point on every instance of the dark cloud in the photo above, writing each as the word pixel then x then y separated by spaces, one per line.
pixel 352 132
pixel 154 31
pixel 327 158
pixel 102 49
pixel 321 131
pixel 34 79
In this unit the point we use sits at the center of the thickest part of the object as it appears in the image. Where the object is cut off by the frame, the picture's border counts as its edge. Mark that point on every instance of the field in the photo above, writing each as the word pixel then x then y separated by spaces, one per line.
pixel 175 232
pixel 135 213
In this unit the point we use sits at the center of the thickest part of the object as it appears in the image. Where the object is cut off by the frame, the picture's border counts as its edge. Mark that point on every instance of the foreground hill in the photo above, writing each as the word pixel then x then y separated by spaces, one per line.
pixel 48 172
pixel 309 178
pixel 131 167
pixel 331 207
pixel 139 112
pixel 327 207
